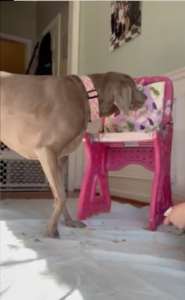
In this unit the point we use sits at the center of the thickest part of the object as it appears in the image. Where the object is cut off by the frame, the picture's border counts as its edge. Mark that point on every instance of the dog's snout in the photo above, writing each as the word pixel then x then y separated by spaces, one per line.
pixel 140 97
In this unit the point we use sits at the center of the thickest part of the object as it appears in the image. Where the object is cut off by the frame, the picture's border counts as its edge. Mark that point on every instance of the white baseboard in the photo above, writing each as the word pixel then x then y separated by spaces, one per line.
pixel 176 75
pixel 130 175
pixel 131 195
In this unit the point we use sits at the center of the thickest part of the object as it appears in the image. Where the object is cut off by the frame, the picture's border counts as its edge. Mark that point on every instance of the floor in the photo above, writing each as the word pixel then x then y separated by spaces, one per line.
pixel 114 257
pixel 48 195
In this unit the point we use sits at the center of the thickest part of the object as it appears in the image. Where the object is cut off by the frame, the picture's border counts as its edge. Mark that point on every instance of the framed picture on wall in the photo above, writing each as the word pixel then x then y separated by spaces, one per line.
pixel 125 22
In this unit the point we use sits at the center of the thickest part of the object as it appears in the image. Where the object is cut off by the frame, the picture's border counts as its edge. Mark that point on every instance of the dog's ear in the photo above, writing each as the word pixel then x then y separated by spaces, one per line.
pixel 123 97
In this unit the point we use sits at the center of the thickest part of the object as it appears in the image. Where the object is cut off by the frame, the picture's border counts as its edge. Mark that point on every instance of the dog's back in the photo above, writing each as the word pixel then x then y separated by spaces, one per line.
pixel 25 91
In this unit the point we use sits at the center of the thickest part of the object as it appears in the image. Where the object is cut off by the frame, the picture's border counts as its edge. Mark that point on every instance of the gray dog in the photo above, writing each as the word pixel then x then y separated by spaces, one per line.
pixel 45 117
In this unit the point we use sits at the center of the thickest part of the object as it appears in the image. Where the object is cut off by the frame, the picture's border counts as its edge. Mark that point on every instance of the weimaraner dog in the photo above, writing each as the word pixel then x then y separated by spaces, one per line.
pixel 45 117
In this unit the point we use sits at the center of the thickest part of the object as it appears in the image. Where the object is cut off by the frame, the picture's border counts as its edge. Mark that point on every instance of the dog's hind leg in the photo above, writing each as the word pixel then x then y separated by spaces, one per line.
pixel 67 218
pixel 52 171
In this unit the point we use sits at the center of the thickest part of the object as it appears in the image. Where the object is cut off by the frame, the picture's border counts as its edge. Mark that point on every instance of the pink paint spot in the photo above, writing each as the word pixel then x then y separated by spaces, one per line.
pixel 115 227
pixel 89 223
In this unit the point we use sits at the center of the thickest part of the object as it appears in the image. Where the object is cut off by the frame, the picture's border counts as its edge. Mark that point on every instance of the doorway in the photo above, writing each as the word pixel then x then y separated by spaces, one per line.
pixel 13 57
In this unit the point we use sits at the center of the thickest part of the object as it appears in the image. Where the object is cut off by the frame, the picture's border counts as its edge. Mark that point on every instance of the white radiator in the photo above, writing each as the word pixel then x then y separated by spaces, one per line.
pixel 19 174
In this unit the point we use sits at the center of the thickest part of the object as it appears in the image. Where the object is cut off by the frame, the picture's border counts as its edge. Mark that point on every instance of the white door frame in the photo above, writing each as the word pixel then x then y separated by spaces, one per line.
pixel 72 68
pixel 27 43
pixel 56 20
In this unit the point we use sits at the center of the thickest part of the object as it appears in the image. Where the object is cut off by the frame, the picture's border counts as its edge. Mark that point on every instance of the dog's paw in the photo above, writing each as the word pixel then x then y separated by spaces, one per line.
pixel 74 224
pixel 52 231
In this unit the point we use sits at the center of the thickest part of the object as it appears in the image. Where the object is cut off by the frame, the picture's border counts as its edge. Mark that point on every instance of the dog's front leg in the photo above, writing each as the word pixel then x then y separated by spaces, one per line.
pixel 67 218
pixel 51 169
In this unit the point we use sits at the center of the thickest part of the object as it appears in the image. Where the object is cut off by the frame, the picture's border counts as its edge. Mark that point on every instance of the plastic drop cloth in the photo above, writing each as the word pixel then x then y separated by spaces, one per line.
pixel 115 257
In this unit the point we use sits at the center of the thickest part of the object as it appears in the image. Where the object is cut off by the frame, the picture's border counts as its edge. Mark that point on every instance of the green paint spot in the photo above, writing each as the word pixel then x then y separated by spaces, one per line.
pixel 156 92
pixel 37 240
pixel 131 126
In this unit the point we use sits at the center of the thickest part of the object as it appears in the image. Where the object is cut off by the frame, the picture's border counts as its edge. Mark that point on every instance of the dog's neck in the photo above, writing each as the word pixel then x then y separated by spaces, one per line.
pixel 92 96
pixel 105 94
pixel 100 100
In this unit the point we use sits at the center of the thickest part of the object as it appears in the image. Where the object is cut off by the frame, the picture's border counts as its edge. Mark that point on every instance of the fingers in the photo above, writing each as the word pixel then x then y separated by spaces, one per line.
pixel 167 221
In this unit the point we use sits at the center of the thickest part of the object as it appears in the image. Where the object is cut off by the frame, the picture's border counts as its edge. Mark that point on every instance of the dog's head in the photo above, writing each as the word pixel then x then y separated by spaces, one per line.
pixel 126 94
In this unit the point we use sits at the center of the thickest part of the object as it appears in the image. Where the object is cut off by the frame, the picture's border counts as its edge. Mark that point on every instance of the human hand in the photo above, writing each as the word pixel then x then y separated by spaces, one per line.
pixel 176 216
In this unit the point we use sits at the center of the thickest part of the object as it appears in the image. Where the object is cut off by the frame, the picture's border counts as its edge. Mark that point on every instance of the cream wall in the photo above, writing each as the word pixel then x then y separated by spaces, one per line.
pixel 47 11
pixel 18 19
pixel 160 48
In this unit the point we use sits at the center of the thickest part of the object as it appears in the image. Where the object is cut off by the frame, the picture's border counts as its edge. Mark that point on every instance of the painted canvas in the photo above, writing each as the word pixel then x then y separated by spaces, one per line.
pixel 125 22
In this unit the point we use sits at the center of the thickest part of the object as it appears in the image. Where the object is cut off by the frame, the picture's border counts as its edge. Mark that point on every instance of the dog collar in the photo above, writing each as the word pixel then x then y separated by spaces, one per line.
pixel 92 95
